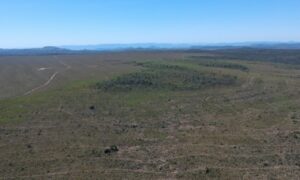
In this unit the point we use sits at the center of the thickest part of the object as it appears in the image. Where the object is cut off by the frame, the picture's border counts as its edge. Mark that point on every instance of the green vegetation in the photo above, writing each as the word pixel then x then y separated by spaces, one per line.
pixel 287 56
pixel 218 63
pixel 153 115
pixel 166 76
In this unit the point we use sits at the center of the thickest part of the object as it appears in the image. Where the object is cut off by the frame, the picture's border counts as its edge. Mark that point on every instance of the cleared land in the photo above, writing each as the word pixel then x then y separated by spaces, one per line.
pixel 149 115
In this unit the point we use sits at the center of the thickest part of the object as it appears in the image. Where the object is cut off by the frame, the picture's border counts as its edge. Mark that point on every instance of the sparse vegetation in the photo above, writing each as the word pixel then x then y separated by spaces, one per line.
pixel 165 116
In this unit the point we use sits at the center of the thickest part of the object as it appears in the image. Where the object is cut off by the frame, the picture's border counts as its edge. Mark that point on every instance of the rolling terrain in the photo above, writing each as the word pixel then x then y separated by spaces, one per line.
pixel 150 115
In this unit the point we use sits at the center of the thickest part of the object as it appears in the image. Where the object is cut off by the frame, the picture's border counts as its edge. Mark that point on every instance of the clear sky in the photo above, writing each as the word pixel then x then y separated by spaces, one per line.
pixel 34 23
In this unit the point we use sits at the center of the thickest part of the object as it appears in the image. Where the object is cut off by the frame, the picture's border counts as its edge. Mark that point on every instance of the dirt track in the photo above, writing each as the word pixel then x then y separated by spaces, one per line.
pixel 42 86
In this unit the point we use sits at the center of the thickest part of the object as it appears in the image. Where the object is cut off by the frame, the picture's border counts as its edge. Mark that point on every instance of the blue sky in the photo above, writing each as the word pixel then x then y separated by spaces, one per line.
pixel 35 23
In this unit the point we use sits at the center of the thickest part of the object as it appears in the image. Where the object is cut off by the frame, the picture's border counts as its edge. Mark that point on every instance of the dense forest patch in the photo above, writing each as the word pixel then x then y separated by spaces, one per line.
pixel 218 63
pixel 169 76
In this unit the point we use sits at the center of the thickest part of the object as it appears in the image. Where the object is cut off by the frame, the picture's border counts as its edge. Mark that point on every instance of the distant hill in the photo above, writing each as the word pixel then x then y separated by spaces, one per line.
pixel 165 46
pixel 85 49
pixel 276 45
pixel 249 45
pixel 118 47
pixel 49 50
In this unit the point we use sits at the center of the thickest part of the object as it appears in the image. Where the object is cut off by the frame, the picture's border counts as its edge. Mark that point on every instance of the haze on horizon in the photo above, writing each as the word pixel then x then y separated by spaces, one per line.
pixel 35 23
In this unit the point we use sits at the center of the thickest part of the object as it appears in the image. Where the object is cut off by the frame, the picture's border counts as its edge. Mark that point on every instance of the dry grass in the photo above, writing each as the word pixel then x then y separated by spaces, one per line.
pixel 249 130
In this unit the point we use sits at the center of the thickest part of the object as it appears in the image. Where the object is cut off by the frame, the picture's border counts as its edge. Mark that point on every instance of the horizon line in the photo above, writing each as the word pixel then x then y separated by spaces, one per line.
pixel 233 43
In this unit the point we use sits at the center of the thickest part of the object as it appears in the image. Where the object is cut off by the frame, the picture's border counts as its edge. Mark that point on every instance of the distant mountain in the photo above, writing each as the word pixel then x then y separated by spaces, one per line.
pixel 249 45
pixel 277 45
pixel 51 50
pixel 166 46
pixel 117 47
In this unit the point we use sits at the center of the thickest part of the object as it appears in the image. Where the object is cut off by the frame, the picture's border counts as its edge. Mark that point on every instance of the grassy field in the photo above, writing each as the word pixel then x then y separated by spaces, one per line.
pixel 149 115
